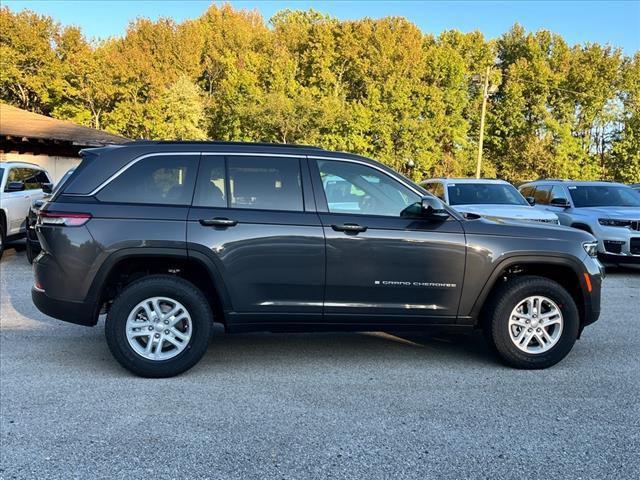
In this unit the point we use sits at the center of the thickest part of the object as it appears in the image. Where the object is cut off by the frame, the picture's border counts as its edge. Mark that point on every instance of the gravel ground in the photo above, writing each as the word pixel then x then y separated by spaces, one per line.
pixel 317 406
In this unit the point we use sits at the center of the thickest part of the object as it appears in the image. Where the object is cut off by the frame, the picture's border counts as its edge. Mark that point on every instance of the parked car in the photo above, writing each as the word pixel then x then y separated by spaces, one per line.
pixel 165 238
pixel 609 211
pixel 33 245
pixel 487 197
pixel 636 187
pixel 20 184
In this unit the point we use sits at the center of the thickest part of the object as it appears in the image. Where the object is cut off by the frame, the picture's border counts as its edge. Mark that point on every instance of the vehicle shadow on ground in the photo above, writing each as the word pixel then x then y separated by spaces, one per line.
pixel 246 350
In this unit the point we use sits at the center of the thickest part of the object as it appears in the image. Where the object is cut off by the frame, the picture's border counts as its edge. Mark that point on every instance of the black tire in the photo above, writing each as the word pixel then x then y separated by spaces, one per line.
pixel 3 239
pixel 159 285
pixel 30 253
pixel 506 298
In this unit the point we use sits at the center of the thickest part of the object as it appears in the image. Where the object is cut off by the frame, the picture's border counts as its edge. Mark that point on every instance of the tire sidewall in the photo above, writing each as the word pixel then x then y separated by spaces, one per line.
pixel 176 289
pixel 500 324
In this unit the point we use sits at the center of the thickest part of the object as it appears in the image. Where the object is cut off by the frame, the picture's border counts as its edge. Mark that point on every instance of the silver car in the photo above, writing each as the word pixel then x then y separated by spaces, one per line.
pixel 609 211
pixel 488 198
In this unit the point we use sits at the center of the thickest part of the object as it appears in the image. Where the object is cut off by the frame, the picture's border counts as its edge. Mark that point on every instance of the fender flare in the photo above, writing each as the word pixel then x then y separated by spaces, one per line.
pixel 97 284
pixel 519 259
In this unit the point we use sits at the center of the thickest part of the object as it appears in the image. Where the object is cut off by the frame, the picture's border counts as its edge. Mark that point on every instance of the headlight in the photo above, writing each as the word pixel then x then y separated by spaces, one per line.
pixel 591 248
pixel 612 222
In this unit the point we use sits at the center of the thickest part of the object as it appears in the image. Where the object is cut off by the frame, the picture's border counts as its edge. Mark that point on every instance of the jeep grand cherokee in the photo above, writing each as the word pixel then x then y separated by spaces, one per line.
pixel 166 238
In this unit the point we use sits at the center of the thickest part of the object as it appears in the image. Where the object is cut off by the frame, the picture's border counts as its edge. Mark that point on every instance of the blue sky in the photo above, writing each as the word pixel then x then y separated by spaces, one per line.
pixel 613 22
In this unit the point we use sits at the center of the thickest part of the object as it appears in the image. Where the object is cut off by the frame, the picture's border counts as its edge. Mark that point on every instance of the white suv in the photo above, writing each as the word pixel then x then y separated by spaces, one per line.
pixel 20 184
pixel 490 198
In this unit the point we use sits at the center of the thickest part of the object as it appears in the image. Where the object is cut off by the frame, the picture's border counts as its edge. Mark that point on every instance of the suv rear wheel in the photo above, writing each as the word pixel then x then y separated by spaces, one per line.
pixel 533 322
pixel 159 326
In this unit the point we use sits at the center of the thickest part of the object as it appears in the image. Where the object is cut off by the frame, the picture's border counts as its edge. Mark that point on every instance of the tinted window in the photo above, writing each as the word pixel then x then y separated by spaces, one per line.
pixel 1 174
pixel 163 179
pixel 542 194
pixel 358 189
pixel 484 194
pixel 267 183
pixel 211 188
pixel 603 196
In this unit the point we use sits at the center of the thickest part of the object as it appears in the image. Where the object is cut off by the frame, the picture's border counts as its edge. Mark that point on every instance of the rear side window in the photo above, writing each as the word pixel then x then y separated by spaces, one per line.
pixel 266 183
pixel 32 178
pixel 542 194
pixel 162 179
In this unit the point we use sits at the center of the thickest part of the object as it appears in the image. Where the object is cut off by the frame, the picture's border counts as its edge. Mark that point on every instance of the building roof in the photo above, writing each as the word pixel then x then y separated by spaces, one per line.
pixel 18 123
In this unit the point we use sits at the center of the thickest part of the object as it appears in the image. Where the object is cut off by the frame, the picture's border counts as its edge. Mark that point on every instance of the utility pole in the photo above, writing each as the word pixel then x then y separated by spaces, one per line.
pixel 485 94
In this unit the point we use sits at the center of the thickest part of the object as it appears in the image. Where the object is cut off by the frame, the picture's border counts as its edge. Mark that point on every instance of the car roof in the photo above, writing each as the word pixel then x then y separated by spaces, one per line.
pixel 448 181
pixel 571 183
pixel 20 164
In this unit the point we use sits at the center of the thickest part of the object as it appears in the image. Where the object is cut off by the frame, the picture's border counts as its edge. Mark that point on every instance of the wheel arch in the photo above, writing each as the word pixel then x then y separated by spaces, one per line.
pixel 564 270
pixel 128 265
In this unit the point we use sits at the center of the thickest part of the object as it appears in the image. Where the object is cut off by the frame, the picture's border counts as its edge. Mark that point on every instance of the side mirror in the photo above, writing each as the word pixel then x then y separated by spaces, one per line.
pixel 560 202
pixel 433 208
pixel 531 201
pixel 47 187
pixel 14 187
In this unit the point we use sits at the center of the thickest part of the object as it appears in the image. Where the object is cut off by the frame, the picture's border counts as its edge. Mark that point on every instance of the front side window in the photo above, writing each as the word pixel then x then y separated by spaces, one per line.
pixel 359 189
pixel 162 179
pixel 557 192
pixel 484 194
pixel 265 183
pixel 603 196
pixel 542 194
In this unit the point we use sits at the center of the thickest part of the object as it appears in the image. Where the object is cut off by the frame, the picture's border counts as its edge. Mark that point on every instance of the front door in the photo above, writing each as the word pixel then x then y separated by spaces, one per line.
pixel 254 218
pixel 381 264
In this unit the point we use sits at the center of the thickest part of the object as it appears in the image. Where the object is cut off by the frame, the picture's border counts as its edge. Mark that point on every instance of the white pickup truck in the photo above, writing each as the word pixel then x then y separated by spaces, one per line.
pixel 20 184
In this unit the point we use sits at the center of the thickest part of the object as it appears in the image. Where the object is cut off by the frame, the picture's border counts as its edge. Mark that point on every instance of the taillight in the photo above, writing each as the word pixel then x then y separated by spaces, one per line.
pixel 63 218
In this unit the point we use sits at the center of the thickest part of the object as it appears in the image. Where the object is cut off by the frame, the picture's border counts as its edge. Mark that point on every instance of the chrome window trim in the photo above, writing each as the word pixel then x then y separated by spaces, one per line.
pixel 239 154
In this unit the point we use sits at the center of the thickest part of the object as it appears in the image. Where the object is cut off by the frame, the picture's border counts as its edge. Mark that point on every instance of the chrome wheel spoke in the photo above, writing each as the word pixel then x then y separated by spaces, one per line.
pixel 535 324
pixel 158 328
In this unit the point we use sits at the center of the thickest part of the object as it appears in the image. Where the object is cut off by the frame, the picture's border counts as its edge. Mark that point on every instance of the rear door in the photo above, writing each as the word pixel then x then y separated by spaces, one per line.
pixel 253 217
pixel 382 265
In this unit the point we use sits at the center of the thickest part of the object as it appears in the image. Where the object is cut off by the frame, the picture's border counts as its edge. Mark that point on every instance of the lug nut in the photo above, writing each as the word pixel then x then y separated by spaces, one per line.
pixel 166 332
pixel 529 329
pixel 157 335
pixel 150 328
pixel 527 321
pixel 166 322
pixel 538 329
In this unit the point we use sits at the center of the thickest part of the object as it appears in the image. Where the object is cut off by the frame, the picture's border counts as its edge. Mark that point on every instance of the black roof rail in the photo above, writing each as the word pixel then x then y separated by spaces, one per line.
pixel 542 179
pixel 220 143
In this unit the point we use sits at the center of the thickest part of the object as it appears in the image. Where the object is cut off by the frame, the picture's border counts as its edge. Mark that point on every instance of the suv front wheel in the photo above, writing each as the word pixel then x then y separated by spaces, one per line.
pixel 159 326
pixel 532 323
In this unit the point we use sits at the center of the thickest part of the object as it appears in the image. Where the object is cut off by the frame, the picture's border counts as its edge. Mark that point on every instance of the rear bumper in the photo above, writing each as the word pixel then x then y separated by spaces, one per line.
pixel 79 313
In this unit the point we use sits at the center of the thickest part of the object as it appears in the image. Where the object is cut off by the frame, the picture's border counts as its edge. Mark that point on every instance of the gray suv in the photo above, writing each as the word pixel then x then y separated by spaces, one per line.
pixel 609 211
pixel 167 238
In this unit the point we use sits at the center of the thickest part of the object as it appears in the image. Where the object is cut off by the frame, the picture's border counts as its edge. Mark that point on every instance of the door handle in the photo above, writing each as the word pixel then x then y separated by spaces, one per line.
pixel 218 222
pixel 349 228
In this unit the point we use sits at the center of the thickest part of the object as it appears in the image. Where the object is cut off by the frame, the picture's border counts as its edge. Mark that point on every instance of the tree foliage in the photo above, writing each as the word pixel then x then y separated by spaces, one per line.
pixel 381 88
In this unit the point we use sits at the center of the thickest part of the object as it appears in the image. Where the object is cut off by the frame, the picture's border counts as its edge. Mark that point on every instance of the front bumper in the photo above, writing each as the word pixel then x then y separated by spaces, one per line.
pixel 80 313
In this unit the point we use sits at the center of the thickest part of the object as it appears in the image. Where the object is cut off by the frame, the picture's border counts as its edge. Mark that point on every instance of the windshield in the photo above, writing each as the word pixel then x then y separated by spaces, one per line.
pixel 484 194
pixel 604 196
